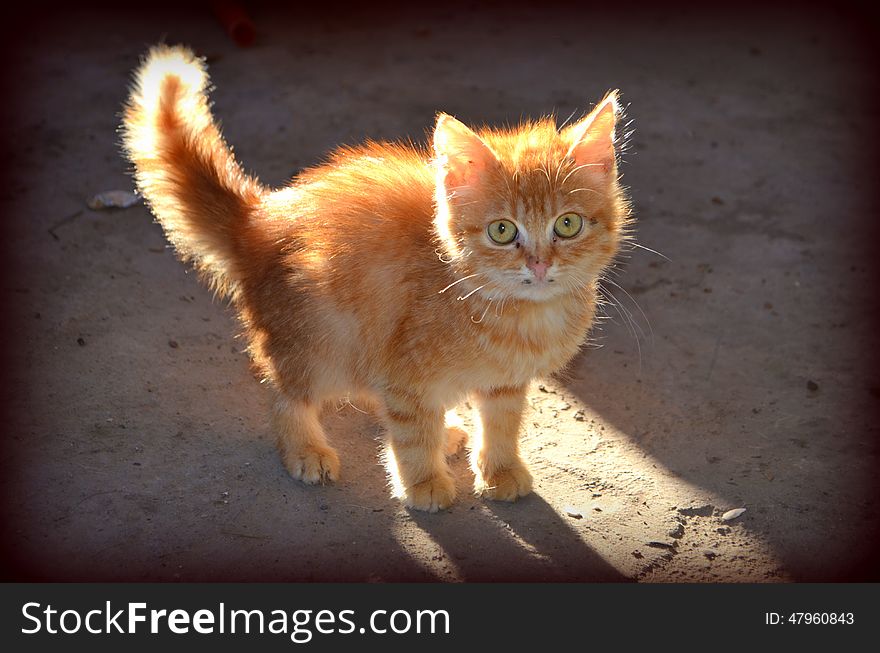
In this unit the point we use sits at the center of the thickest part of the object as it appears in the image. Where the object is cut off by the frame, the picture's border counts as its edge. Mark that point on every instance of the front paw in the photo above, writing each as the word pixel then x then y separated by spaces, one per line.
pixel 505 484
pixel 437 493
pixel 312 464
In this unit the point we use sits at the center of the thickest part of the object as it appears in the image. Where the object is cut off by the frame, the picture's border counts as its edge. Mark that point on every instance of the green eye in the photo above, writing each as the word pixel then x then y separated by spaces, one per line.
pixel 502 231
pixel 568 225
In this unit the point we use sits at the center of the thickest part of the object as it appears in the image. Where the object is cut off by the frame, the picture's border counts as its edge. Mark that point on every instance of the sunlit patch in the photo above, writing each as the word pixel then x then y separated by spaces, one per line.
pixel 392 472
pixel 176 63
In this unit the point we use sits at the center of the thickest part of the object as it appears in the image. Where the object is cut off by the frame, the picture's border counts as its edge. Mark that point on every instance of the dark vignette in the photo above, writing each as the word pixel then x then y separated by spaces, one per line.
pixel 857 18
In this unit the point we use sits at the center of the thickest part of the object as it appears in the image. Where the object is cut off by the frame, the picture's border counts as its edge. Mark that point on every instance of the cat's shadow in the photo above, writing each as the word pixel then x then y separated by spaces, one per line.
pixel 492 541
pixel 474 540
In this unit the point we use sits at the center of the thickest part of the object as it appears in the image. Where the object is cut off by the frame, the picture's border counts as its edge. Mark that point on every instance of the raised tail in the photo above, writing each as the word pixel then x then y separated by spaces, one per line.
pixel 183 167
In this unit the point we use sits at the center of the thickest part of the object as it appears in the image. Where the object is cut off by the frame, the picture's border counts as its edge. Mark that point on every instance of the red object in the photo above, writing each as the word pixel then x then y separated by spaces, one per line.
pixel 236 22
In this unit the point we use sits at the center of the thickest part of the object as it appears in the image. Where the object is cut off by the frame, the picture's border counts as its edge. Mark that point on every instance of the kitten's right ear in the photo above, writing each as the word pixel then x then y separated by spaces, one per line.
pixel 592 138
pixel 463 154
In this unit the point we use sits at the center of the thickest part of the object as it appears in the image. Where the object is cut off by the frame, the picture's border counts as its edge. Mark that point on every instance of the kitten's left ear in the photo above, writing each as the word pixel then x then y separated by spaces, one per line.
pixel 464 155
pixel 592 138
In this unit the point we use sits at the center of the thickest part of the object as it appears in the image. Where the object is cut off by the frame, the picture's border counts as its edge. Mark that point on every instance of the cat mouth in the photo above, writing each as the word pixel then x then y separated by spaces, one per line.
pixel 538 290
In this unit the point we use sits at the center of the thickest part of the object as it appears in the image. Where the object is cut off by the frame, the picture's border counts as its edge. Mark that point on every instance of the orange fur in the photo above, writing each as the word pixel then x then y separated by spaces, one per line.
pixel 373 274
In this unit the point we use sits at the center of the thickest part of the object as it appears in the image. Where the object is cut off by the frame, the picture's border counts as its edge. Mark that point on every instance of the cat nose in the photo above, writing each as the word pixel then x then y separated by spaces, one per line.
pixel 538 268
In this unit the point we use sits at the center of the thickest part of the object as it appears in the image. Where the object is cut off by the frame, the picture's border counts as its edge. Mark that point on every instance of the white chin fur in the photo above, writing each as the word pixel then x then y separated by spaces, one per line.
pixel 538 291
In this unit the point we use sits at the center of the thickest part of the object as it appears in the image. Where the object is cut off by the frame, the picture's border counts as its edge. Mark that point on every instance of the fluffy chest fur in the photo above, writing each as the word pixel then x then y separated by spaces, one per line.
pixel 385 305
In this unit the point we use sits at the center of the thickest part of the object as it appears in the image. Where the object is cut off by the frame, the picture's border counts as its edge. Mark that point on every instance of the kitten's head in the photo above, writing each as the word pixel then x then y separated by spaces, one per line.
pixel 532 211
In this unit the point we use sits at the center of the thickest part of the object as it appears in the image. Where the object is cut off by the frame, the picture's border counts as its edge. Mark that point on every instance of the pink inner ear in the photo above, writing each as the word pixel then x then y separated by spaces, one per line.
pixel 466 155
pixel 592 139
pixel 462 173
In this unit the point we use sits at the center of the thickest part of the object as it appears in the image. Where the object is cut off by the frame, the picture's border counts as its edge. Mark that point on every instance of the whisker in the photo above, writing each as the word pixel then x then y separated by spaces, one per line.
pixel 486 310
pixel 613 302
pixel 653 251
pixel 460 298
pixel 558 170
pixel 546 174
pixel 565 122
pixel 574 170
pixel 348 401
pixel 632 299
pixel 503 301
pixel 507 184
pixel 470 276
pixel 628 321
pixel 440 253
pixel 637 328
pixel 589 190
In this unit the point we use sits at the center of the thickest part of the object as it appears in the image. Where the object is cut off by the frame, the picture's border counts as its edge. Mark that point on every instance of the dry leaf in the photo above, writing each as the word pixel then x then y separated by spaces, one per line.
pixel 113 199
pixel 732 514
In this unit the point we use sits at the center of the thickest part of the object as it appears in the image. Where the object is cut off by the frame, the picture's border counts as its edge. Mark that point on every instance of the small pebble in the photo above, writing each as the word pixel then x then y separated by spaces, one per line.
pixel 812 386
pixel 656 544
pixel 173 344
pixel 573 512
pixel 81 342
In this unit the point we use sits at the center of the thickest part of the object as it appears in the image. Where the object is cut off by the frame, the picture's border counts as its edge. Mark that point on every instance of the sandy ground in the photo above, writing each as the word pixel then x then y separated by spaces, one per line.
pixel 736 373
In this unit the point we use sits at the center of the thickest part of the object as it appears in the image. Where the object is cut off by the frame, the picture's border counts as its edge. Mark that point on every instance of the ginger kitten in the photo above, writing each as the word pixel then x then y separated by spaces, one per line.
pixel 415 277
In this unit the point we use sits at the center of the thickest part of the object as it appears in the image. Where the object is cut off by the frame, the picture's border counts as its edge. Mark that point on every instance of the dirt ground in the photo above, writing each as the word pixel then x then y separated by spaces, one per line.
pixel 736 374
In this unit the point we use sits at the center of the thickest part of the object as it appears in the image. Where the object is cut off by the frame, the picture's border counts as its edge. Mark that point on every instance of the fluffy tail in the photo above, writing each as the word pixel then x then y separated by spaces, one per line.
pixel 183 168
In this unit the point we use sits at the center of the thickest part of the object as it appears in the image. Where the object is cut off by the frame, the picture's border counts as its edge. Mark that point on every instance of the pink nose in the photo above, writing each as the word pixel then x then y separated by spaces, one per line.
pixel 538 268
